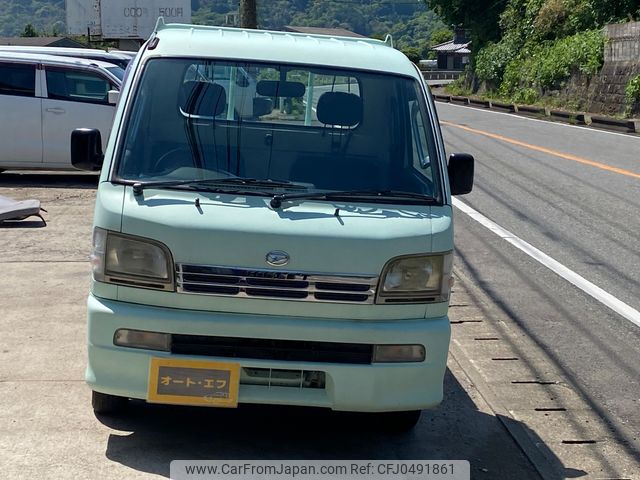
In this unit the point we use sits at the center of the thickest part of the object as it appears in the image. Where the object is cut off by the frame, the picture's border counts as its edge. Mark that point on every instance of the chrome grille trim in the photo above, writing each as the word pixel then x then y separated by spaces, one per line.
pixel 275 284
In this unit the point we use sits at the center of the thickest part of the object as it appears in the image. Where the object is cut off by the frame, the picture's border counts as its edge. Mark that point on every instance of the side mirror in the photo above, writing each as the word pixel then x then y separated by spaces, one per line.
pixel 86 149
pixel 461 166
pixel 114 95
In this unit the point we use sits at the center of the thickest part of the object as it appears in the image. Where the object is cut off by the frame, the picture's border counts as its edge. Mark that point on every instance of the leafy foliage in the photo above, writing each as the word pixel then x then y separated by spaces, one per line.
pixel 632 94
pixel 459 87
pixel 481 17
pixel 412 54
pixel 526 96
pixel 633 89
pixel 544 42
pixel 440 36
pixel 29 31
pixel 545 65
pixel 491 62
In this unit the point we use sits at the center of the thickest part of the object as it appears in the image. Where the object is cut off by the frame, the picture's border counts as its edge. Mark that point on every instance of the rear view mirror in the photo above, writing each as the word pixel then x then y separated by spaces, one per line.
pixel 274 88
pixel 86 149
pixel 339 108
pixel 460 168
pixel 114 95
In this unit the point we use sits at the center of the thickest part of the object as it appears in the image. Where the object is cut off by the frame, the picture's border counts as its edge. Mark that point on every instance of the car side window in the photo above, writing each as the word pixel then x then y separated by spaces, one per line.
pixel 17 79
pixel 77 86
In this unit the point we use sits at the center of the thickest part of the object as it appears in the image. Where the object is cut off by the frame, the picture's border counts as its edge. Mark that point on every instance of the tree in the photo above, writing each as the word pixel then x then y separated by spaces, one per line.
pixel 248 14
pixel 412 54
pixel 440 36
pixel 29 31
pixel 481 17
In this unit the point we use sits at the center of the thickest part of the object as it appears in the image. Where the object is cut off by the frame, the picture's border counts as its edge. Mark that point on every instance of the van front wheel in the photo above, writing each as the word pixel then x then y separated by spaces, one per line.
pixel 103 403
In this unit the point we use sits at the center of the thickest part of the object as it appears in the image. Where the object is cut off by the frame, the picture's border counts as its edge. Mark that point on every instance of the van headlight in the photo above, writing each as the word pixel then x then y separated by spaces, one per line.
pixel 130 260
pixel 416 279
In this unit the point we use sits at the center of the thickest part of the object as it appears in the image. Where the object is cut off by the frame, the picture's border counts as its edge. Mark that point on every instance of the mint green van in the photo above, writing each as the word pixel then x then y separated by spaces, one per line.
pixel 273 225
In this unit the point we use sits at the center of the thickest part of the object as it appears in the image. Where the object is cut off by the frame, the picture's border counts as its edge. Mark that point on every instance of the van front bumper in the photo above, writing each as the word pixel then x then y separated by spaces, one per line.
pixel 376 387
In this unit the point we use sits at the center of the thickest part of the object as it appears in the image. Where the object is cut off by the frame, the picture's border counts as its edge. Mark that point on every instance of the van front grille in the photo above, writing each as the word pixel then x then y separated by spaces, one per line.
pixel 300 286
pixel 272 349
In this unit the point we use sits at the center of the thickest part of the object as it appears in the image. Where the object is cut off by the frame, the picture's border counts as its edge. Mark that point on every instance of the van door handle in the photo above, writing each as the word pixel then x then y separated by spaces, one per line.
pixel 57 111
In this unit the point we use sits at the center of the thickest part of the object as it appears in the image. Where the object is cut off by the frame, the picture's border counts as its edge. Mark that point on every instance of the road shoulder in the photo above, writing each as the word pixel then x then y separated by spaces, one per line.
pixel 555 428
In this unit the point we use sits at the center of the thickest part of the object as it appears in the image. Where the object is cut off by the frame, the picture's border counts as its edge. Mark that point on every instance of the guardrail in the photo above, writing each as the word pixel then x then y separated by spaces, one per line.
pixel 574 118
pixel 441 74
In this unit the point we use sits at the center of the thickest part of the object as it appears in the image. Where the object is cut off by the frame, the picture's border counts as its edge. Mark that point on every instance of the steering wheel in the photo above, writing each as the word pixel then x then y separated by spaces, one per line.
pixel 180 157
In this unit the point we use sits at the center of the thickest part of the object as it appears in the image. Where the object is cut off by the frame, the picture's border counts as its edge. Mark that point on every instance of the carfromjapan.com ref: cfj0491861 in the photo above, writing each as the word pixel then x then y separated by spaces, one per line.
pixel 316 470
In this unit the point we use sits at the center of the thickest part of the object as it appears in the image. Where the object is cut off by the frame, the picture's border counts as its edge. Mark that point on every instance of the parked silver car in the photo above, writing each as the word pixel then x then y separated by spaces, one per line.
pixel 43 98
pixel 116 57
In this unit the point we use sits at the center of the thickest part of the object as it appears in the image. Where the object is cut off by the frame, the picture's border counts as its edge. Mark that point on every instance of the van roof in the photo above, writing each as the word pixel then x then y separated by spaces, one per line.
pixel 43 57
pixel 281 47
pixel 56 60
pixel 67 51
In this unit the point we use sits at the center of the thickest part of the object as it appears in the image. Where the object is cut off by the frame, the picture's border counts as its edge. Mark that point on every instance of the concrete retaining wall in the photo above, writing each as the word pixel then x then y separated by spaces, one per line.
pixel 606 92
pixel 610 85
pixel 624 42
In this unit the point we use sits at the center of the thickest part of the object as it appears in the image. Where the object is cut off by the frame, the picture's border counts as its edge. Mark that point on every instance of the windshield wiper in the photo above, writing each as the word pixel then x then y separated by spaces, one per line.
pixel 139 187
pixel 260 182
pixel 276 201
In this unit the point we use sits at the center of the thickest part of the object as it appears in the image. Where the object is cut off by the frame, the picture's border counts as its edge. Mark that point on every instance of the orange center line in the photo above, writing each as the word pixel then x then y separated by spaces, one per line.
pixel 548 151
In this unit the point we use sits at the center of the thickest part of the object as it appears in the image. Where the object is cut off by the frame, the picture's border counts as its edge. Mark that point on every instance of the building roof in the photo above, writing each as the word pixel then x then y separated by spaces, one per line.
pixel 333 32
pixel 452 47
pixel 40 42
pixel 281 47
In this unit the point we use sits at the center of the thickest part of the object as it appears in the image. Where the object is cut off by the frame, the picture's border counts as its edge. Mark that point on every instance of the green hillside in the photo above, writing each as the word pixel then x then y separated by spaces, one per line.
pixel 410 22
pixel 47 16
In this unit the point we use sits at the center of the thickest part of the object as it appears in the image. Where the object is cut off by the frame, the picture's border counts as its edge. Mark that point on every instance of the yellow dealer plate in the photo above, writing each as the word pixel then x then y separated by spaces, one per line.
pixel 190 382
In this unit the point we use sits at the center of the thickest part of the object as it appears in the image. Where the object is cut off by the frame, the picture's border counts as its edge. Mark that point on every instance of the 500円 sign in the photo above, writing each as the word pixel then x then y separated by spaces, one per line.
pixel 121 19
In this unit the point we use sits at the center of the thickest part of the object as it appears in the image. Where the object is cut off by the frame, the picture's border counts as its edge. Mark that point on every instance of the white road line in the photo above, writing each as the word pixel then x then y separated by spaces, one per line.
pixel 582 283
pixel 548 122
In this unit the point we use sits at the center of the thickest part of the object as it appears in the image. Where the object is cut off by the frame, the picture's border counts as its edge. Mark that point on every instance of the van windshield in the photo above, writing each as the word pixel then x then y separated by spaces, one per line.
pixel 316 129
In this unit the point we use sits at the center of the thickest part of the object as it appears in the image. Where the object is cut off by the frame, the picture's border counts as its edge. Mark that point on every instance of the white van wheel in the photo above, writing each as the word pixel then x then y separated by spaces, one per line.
pixel 103 403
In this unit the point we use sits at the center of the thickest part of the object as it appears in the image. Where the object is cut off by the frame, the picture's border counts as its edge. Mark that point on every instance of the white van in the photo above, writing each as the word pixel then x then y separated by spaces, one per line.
pixel 43 99
pixel 300 255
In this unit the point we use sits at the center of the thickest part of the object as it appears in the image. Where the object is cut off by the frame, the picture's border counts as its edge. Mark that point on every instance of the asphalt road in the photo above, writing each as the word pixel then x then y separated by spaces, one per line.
pixel 571 193
pixel 574 194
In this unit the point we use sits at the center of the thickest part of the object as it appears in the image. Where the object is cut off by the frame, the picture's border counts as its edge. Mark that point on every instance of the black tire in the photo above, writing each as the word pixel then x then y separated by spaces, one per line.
pixel 105 404
pixel 398 422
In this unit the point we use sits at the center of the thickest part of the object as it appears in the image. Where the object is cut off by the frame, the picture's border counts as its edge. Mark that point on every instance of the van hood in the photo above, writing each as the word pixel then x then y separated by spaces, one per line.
pixel 319 236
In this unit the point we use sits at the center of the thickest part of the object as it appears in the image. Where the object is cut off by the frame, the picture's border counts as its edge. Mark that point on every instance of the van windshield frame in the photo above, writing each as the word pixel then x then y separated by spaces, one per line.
pixel 342 142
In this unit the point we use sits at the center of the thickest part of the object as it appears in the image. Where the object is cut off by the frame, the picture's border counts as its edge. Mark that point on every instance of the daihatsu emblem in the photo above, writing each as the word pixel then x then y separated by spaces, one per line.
pixel 277 258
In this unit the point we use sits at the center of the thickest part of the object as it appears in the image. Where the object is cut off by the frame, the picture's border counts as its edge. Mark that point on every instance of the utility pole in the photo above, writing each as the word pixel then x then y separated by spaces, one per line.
pixel 248 14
